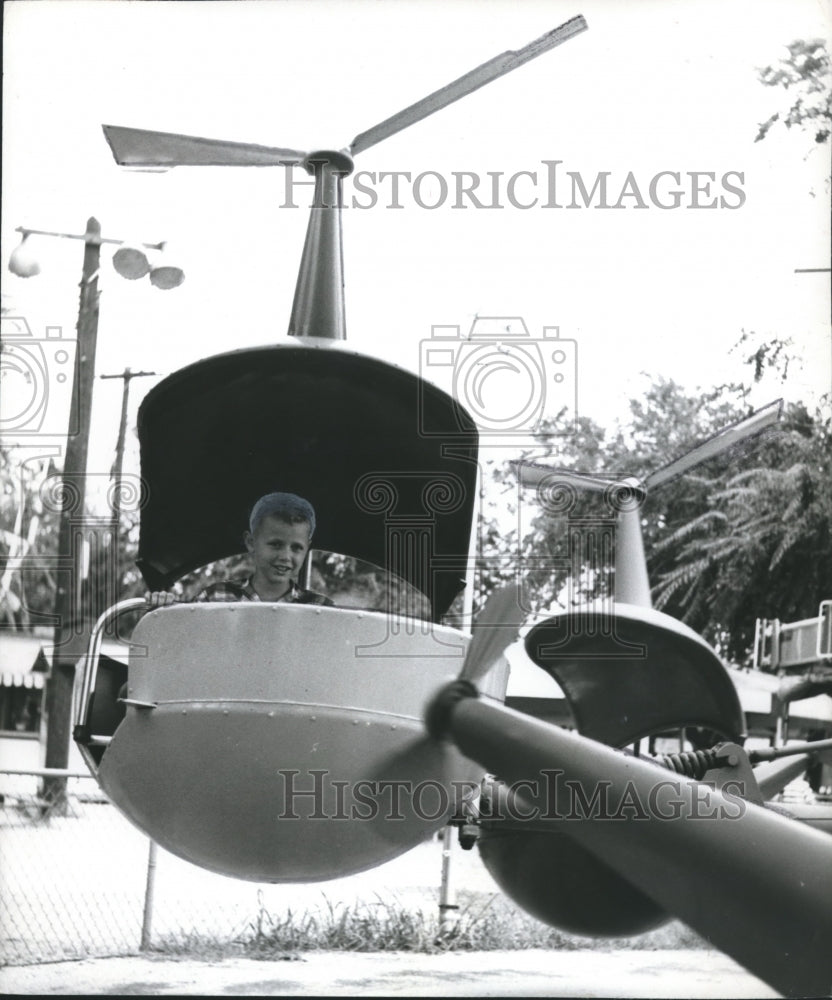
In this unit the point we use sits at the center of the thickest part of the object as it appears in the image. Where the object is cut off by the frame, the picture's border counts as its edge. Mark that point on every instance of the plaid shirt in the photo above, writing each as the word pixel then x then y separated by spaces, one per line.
pixel 229 590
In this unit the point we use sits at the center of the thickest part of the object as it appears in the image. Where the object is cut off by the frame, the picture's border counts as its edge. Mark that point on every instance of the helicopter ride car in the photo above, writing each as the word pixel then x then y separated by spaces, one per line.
pixel 271 694
pixel 247 687
pixel 287 742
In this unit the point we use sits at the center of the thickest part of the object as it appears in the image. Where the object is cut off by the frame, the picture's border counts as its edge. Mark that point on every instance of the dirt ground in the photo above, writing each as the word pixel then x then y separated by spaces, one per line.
pixel 64 909
pixel 693 974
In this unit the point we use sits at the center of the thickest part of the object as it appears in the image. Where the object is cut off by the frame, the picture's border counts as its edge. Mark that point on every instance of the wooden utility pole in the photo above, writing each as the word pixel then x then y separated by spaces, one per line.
pixel 118 465
pixel 68 625
pixel 116 474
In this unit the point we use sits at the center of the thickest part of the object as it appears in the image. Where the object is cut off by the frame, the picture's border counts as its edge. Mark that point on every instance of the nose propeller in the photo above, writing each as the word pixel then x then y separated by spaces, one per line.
pixel 495 629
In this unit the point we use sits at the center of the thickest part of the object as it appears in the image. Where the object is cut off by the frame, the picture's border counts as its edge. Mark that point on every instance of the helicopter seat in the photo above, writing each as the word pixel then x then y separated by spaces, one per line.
pixel 285 742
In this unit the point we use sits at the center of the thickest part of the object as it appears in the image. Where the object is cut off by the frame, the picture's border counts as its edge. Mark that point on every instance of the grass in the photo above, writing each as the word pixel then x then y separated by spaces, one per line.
pixel 486 922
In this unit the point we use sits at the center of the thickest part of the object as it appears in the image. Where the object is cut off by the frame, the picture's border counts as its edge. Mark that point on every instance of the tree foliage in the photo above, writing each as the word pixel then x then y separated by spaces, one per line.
pixel 30 514
pixel 746 534
pixel 807 77
pixel 665 422
pixel 761 546
pixel 28 532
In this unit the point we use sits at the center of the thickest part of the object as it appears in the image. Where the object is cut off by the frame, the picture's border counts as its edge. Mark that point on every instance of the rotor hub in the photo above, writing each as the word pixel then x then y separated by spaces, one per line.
pixel 337 161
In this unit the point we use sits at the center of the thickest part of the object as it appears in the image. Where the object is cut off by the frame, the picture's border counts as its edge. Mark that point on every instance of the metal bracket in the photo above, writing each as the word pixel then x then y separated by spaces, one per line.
pixel 733 771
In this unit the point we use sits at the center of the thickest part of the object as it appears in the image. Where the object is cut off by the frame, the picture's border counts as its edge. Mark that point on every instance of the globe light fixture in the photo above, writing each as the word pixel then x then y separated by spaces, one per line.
pixel 131 262
pixel 22 261
pixel 164 274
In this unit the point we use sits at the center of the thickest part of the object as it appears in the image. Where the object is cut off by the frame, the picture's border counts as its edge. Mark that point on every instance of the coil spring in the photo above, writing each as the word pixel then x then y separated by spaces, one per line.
pixel 693 763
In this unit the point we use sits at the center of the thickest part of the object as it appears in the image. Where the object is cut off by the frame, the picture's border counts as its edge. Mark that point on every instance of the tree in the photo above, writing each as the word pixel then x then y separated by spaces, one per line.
pixel 665 423
pixel 806 72
pixel 747 534
pixel 28 529
pixel 30 511
pixel 762 545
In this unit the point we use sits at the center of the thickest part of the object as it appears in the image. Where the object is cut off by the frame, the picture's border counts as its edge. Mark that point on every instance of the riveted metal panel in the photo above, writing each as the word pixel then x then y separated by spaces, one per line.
pixel 287 741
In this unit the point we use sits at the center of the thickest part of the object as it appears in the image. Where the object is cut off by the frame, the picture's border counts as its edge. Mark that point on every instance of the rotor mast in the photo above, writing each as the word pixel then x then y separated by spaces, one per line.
pixel 631 582
pixel 318 307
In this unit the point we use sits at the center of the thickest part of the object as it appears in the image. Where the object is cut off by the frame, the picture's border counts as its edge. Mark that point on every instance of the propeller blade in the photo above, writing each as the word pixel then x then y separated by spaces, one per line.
pixel 495 629
pixel 476 78
pixel 136 147
pixel 720 442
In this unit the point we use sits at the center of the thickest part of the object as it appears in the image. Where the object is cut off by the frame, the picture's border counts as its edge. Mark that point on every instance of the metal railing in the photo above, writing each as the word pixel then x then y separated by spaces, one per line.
pixel 796 644
pixel 89 671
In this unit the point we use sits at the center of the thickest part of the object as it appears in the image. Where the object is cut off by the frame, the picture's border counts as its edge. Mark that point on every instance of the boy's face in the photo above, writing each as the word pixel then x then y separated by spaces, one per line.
pixel 278 549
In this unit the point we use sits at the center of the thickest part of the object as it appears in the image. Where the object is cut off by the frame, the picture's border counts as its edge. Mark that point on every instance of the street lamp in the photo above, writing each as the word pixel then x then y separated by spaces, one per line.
pixel 131 261
pixel 59 687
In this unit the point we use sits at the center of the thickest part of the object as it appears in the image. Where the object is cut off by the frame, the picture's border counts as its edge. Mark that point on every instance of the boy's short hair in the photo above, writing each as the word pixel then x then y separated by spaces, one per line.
pixel 287 506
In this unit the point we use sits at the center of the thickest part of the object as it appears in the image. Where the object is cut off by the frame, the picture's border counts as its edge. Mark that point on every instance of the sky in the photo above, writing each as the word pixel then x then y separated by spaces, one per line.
pixel 654 87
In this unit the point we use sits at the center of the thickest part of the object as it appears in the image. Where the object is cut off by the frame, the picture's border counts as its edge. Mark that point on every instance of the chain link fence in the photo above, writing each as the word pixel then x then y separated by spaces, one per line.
pixel 78 880
pixel 70 869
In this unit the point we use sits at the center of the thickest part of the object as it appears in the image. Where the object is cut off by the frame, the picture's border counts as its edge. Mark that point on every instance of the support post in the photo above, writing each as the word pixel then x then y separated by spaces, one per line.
pixel 448 907
pixel 149 893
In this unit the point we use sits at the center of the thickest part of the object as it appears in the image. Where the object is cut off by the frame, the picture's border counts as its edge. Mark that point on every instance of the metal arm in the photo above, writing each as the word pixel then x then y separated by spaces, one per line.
pixel 756 884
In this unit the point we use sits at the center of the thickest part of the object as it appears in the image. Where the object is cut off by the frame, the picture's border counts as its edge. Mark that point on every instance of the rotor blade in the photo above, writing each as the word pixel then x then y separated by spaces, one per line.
pixel 136 147
pixel 495 629
pixel 479 77
pixel 720 442
pixel 533 474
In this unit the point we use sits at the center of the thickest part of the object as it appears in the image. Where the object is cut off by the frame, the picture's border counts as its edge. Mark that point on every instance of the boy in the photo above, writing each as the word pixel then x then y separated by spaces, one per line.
pixel 281 526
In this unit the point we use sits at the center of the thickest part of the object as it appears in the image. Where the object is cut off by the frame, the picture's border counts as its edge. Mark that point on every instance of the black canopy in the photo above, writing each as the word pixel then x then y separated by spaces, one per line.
pixel 635 672
pixel 387 460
